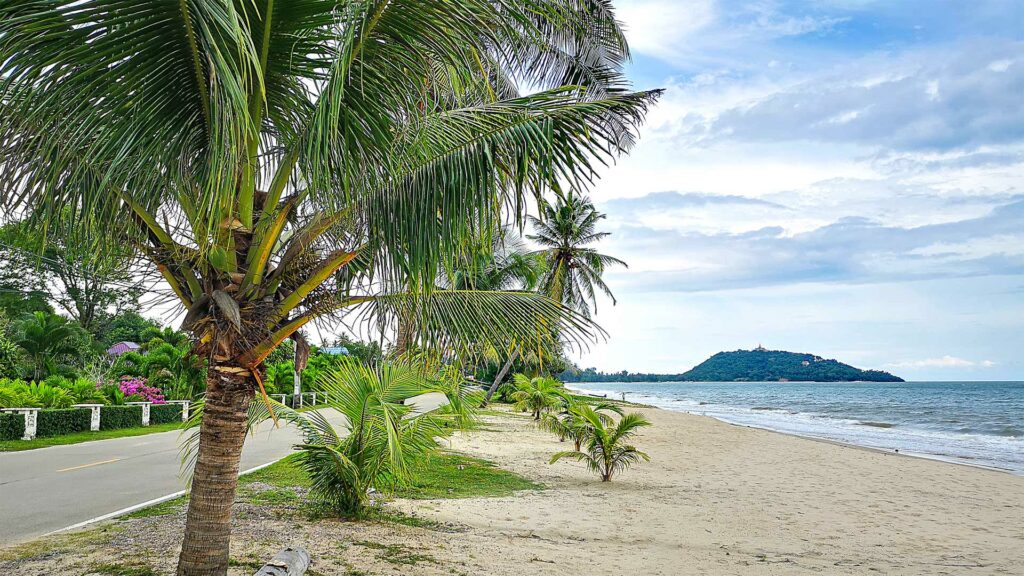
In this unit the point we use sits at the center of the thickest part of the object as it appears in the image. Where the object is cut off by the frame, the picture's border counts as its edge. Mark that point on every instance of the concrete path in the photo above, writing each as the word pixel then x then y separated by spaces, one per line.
pixel 49 489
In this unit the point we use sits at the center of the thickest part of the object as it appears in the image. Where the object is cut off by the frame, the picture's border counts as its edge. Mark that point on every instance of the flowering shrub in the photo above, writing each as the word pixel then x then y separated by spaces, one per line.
pixel 135 387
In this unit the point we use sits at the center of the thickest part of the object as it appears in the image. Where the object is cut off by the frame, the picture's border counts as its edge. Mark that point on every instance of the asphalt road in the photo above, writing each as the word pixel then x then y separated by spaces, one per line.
pixel 50 489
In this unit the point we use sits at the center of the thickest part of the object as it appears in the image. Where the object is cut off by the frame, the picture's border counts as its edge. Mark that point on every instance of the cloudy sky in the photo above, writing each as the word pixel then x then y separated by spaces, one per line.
pixel 842 177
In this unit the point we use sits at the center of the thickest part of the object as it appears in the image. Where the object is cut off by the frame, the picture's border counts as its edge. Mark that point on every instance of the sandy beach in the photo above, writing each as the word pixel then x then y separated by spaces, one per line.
pixel 723 499
pixel 715 499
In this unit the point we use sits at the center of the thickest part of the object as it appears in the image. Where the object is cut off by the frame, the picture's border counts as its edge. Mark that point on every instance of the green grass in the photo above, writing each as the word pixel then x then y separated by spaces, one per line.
pixel 162 509
pixel 283 477
pixel 449 475
pixel 284 473
pixel 443 475
pixel 58 543
pixel 78 437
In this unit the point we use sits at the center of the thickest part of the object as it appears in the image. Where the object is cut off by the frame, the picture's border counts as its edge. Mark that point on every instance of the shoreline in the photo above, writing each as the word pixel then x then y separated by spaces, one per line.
pixel 695 411
pixel 875 449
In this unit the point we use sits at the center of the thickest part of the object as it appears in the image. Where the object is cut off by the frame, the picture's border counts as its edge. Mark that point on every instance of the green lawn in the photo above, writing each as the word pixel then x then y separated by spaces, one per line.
pixel 77 437
pixel 443 475
pixel 451 475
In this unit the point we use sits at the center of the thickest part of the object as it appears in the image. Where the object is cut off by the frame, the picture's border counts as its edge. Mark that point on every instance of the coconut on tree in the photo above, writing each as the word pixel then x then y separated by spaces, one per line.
pixel 281 162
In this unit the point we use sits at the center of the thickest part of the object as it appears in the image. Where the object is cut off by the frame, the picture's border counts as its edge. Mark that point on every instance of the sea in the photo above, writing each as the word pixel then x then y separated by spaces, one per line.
pixel 975 423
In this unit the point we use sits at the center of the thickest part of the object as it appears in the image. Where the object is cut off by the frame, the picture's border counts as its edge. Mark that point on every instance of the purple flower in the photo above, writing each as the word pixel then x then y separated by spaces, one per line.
pixel 136 386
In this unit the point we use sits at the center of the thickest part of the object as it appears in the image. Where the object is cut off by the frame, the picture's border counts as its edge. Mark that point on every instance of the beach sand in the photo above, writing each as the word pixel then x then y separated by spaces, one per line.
pixel 715 499
pixel 723 499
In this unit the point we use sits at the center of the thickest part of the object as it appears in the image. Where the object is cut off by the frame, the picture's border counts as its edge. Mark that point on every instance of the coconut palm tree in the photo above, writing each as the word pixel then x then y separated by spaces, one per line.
pixel 381 438
pixel 606 450
pixel 286 161
pixel 570 423
pixel 536 395
pixel 48 341
pixel 574 269
pixel 499 263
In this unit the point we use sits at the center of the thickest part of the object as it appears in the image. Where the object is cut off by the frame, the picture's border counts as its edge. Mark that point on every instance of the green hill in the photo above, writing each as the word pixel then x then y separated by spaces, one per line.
pixel 760 365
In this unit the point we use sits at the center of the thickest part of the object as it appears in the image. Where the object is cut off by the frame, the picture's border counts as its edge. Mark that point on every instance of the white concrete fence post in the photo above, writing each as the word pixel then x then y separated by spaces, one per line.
pixel 31 418
pixel 184 408
pixel 94 419
pixel 282 397
pixel 145 410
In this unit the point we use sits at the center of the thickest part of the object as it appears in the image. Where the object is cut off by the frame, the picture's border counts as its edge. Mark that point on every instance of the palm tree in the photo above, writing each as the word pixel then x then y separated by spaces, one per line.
pixel 606 450
pixel 571 424
pixel 574 269
pixel 536 395
pixel 48 341
pixel 299 159
pixel 502 263
pixel 381 437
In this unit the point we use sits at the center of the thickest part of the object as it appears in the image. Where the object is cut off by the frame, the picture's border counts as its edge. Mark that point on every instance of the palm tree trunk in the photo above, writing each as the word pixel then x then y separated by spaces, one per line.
pixel 204 551
pixel 498 379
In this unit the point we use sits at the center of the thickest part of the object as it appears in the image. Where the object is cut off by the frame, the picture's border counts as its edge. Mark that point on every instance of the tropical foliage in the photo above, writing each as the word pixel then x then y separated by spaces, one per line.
pixel 381 436
pixel 570 422
pixel 166 362
pixel 574 269
pixel 605 449
pixel 536 395
pixel 50 343
pixel 90 288
pixel 282 162
pixel 21 394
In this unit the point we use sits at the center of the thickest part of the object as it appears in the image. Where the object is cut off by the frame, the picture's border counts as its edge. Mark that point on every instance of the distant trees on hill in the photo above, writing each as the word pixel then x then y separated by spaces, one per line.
pixel 758 365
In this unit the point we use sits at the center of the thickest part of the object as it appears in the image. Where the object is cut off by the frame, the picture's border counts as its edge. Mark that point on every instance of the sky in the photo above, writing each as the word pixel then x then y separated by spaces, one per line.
pixel 840 177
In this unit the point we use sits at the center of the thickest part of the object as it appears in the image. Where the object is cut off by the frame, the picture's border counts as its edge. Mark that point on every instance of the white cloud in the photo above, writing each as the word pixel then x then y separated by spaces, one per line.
pixel 842 185
pixel 663 28
pixel 943 362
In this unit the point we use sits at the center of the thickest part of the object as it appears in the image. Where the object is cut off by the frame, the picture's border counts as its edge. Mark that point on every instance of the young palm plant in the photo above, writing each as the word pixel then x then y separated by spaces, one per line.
pixel 606 450
pixel 381 436
pixel 283 161
pixel 536 395
pixel 570 424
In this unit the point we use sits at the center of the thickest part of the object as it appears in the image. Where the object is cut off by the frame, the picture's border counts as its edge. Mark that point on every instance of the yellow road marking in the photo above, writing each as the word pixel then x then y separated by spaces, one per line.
pixel 88 465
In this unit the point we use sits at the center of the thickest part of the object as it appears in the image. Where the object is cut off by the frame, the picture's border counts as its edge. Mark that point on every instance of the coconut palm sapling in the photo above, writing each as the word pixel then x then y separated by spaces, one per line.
pixel 605 449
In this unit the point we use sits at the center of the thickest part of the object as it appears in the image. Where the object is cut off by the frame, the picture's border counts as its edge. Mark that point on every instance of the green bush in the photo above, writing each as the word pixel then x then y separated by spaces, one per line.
pixel 59 422
pixel 12 426
pixel 21 394
pixel 114 417
pixel 164 413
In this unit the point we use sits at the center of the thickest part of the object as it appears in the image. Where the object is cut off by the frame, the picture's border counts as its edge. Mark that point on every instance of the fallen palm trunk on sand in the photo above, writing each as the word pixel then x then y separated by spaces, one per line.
pixel 287 562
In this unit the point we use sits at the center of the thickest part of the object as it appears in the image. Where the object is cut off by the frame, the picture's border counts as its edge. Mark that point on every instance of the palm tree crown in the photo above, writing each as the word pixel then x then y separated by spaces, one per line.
pixel 574 269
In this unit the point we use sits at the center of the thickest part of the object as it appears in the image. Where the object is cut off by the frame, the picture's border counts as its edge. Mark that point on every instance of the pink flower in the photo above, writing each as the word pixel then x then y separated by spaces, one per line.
pixel 135 386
